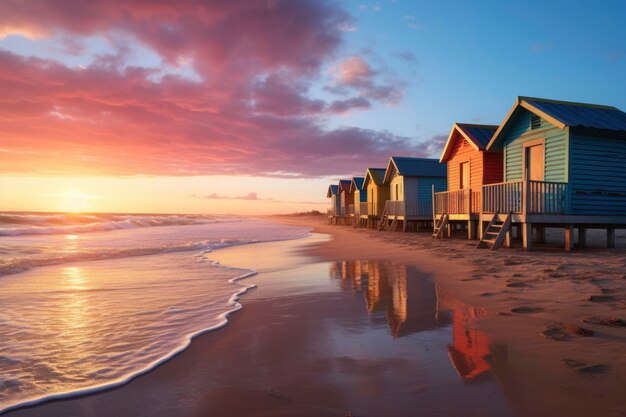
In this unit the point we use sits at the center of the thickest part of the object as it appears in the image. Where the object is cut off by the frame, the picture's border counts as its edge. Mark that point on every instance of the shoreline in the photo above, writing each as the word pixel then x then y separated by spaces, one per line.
pixel 470 285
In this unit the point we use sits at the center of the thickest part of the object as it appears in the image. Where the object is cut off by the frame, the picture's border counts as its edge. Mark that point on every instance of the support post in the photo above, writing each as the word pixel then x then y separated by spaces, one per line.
pixel 471 229
pixel 527 232
pixel 582 237
pixel 610 237
pixel 507 239
pixel 569 237
pixel 541 234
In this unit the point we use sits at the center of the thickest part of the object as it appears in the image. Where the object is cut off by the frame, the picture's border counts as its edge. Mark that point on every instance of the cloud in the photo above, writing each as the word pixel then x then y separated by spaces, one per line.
pixel 249 111
pixel 252 197
pixel 355 73
pixel 249 196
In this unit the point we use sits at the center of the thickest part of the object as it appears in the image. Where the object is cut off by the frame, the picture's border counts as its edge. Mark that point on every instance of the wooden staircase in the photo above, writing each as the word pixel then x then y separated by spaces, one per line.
pixel 393 226
pixel 382 223
pixel 440 226
pixel 495 233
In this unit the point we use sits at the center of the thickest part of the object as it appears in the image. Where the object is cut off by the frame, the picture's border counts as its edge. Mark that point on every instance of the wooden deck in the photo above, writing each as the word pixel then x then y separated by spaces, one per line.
pixel 541 204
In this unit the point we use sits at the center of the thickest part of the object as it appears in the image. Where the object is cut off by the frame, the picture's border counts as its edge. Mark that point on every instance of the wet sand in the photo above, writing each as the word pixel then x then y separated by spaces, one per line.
pixel 374 324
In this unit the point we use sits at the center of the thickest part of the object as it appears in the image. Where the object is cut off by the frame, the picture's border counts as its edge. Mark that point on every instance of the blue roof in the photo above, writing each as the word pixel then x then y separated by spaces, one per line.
pixel 344 185
pixel 581 114
pixel 418 167
pixel 332 190
pixel 481 134
pixel 358 182
pixel 377 175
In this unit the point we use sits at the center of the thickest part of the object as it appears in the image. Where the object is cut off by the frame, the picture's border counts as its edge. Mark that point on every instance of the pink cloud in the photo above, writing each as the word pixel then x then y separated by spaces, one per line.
pixel 250 114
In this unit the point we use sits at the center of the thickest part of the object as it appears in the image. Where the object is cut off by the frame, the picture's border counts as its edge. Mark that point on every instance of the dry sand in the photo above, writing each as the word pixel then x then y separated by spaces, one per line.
pixel 529 317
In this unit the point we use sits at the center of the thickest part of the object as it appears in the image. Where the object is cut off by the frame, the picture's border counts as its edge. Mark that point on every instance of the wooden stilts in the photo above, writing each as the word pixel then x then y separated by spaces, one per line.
pixel 541 234
pixel 527 236
pixel 582 237
pixel 569 237
pixel 610 237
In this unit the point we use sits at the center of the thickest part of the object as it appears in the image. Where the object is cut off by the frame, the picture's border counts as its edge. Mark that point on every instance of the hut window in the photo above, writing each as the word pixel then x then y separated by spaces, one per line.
pixel 535 122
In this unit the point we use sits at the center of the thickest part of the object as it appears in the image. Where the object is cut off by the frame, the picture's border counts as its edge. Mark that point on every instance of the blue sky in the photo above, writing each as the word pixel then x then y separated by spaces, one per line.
pixel 473 58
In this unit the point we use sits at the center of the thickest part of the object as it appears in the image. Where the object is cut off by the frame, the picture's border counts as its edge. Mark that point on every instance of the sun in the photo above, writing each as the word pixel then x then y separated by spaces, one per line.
pixel 74 202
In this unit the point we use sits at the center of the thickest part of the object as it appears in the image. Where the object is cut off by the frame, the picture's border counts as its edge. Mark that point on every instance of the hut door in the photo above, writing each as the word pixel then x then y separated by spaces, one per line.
pixel 534 163
pixel 465 176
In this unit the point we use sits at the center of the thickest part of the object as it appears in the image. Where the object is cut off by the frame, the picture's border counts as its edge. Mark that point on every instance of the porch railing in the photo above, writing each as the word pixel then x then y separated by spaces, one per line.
pixel 525 197
pixel 458 202
pixel 362 207
pixel 374 209
pixel 409 208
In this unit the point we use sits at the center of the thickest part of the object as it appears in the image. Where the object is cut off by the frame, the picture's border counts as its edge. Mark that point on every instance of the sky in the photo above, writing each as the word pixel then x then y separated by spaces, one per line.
pixel 254 107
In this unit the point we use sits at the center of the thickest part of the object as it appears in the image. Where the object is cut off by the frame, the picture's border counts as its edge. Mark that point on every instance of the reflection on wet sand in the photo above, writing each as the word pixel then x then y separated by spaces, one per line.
pixel 408 303
pixel 470 348
pixel 413 304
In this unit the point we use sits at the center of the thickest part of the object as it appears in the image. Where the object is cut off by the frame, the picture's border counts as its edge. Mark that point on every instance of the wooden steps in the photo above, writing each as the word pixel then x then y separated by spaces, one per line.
pixel 440 226
pixel 393 226
pixel 495 233
pixel 382 223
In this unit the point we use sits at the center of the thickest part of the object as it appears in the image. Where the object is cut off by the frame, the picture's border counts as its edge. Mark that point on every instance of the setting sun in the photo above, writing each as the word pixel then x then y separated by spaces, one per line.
pixel 74 202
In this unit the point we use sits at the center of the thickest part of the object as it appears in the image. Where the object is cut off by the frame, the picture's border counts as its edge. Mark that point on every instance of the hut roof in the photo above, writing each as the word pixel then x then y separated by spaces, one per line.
pixel 414 167
pixel 565 113
pixel 356 184
pixel 477 135
pixel 332 190
pixel 374 174
pixel 344 186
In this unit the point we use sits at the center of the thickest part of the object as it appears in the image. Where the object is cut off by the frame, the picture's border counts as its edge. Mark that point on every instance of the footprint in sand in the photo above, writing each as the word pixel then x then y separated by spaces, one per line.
pixel 527 310
pixel 518 275
pixel 585 369
pixel 560 331
pixel 612 321
pixel 554 333
pixel 517 284
pixel 594 369
pixel 601 298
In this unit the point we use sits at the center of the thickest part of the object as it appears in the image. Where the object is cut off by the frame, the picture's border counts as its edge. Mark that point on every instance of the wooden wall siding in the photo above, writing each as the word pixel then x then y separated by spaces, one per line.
pixel 399 194
pixel 461 152
pixel 493 163
pixel 381 195
pixel 597 175
pixel 360 197
pixel 425 187
pixel 335 204
pixel 555 168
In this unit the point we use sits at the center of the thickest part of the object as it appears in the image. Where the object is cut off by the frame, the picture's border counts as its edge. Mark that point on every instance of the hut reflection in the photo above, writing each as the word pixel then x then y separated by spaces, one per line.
pixel 470 348
pixel 396 293
pixel 410 303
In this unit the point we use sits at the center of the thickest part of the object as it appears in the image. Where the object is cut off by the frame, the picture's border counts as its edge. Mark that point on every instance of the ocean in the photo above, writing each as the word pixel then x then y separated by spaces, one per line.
pixel 90 301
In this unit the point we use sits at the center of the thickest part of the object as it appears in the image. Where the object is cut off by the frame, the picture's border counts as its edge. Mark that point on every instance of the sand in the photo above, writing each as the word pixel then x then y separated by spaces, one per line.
pixel 543 328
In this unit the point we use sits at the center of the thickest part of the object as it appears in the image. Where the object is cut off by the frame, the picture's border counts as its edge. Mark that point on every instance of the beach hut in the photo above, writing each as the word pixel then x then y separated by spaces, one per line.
pixel 335 203
pixel 564 166
pixel 377 195
pixel 346 201
pixel 469 167
pixel 360 199
pixel 411 183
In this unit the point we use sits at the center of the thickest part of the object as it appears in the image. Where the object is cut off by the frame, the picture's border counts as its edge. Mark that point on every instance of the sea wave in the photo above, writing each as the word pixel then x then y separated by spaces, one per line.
pixel 20 264
pixel 31 224
pixel 222 318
